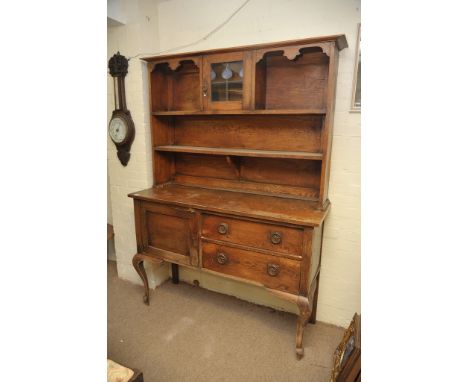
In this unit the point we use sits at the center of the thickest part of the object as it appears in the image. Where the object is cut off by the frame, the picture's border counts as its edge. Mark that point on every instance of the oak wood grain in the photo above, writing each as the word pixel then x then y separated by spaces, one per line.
pixel 241 184
pixel 169 232
pixel 245 186
pixel 282 111
pixel 278 132
pixel 240 152
pixel 293 211
pixel 340 41
pixel 253 234
pixel 253 266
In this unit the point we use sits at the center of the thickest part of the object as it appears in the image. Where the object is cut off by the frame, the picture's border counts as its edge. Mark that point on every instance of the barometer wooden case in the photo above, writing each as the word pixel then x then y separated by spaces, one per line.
pixel 121 126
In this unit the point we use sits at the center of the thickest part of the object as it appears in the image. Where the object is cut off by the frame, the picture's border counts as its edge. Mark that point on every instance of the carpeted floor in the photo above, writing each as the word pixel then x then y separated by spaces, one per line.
pixel 192 334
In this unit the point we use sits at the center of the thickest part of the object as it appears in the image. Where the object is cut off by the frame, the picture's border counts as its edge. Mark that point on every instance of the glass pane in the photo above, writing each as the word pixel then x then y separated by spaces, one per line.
pixel 226 81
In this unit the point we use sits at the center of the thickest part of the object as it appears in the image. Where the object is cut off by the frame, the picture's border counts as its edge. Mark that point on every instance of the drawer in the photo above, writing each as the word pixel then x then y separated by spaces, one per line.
pixel 261 235
pixel 272 271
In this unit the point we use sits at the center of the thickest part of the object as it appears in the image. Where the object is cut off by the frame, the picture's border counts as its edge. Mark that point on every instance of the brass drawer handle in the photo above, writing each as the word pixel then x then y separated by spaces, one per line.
pixel 273 269
pixel 221 258
pixel 223 228
pixel 276 237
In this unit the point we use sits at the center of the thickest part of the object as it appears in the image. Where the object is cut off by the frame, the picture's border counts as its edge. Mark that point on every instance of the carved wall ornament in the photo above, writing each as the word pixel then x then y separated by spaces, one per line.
pixel 118 65
pixel 121 127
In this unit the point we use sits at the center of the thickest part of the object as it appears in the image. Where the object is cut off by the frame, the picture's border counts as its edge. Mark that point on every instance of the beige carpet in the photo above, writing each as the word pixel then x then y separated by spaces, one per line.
pixel 191 334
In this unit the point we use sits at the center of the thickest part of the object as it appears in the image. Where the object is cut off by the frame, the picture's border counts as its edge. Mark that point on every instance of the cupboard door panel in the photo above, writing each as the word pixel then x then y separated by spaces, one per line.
pixel 170 233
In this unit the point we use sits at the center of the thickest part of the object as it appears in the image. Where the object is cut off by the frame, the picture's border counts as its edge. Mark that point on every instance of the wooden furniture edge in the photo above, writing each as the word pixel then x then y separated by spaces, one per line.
pixel 226 211
pixel 255 153
pixel 137 376
pixel 339 40
pixel 350 371
pixel 242 112
pixel 253 249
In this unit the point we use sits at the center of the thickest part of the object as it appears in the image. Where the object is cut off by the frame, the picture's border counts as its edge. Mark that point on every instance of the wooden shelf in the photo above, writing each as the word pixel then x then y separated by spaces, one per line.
pixel 240 152
pixel 247 112
pixel 285 210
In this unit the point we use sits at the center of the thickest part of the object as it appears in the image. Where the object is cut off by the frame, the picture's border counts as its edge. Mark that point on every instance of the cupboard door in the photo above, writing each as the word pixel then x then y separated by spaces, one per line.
pixel 227 81
pixel 170 233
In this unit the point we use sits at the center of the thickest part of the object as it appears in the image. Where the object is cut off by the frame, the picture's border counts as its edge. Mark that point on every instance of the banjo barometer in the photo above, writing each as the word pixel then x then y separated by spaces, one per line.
pixel 121 126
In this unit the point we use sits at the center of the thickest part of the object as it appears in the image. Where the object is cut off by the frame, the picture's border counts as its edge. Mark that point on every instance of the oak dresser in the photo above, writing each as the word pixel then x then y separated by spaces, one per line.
pixel 241 142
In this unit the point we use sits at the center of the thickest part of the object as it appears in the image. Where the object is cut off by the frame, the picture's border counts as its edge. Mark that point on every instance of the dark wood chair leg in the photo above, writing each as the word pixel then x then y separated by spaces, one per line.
pixel 175 273
pixel 313 315
pixel 139 267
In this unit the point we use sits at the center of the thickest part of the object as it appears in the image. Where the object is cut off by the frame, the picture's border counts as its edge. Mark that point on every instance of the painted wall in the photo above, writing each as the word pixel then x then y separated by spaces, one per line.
pixel 179 22
pixel 139 34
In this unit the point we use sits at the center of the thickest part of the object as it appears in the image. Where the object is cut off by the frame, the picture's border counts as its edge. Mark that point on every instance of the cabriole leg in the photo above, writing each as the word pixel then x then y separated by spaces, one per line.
pixel 139 267
pixel 304 314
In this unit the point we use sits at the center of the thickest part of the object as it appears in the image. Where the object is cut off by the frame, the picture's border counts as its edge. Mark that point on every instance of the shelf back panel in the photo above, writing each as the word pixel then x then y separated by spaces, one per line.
pixel 176 89
pixel 292 177
pixel 259 132
pixel 301 83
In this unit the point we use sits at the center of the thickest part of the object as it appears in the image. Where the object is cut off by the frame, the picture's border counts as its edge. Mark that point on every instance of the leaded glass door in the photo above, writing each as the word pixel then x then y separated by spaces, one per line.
pixel 226 82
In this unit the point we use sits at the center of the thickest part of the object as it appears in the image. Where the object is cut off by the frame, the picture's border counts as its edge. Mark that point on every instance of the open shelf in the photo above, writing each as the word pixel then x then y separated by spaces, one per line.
pixel 282 82
pixel 248 112
pixel 240 152
pixel 176 88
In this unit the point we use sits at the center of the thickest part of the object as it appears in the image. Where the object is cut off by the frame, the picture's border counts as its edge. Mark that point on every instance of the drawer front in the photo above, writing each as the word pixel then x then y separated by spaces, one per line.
pixel 266 236
pixel 272 271
pixel 170 233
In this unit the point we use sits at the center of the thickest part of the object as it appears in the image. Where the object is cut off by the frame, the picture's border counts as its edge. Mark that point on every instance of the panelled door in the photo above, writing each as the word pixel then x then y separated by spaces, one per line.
pixel 227 81
pixel 170 233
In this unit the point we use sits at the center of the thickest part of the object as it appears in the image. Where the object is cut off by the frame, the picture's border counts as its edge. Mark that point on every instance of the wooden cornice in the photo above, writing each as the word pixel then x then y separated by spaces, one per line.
pixel 339 40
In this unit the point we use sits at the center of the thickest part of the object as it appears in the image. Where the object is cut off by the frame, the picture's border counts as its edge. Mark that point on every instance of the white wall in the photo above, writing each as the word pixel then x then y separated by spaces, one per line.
pixel 140 33
pixel 180 22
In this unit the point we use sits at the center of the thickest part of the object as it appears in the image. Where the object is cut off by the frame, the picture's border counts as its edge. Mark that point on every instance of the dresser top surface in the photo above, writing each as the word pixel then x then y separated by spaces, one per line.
pixel 279 209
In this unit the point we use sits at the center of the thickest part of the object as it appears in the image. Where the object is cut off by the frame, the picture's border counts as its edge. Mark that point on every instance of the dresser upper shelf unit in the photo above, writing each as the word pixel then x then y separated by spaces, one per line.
pixel 280 78
pixel 253 118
